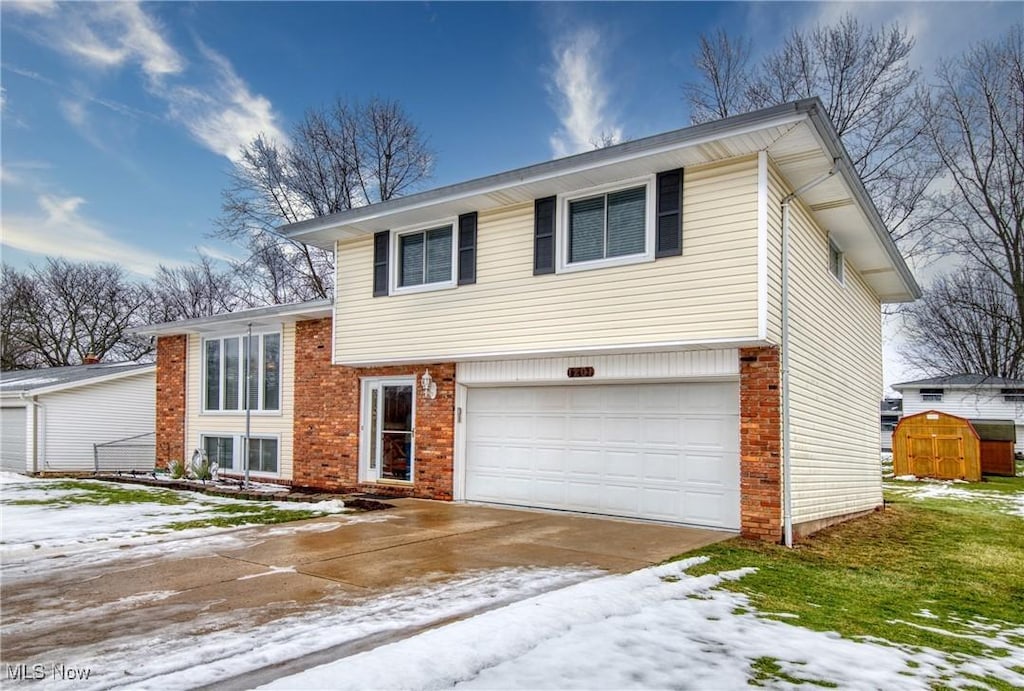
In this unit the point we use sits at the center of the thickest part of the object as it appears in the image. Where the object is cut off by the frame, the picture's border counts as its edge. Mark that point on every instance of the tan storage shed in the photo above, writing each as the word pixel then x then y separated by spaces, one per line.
pixel 937 445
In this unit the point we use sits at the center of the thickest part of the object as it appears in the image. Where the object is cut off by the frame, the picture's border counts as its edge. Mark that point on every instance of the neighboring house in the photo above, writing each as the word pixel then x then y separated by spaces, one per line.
pixel 972 396
pixel 51 418
pixel 890 412
pixel 604 333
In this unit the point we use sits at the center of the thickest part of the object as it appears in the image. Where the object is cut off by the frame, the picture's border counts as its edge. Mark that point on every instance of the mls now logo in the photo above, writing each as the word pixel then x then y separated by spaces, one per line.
pixel 37 672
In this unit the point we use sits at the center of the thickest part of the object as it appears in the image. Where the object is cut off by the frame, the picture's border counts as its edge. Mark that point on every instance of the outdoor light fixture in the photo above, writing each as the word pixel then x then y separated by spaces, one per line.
pixel 428 385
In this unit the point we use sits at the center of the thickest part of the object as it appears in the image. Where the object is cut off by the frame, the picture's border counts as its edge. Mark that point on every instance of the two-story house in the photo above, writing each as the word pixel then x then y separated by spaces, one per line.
pixel 682 328
pixel 971 396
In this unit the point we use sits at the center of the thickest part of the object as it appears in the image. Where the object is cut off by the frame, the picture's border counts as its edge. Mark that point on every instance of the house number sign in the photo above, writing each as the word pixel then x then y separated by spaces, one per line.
pixel 575 372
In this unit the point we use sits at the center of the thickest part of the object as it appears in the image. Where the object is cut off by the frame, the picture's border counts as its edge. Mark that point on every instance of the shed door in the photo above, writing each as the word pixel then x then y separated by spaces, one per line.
pixel 937 456
pixel 667 452
pixel 12 439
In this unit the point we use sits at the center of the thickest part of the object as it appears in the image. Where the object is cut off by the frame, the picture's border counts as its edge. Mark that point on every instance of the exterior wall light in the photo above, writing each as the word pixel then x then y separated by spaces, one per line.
pixel 428 385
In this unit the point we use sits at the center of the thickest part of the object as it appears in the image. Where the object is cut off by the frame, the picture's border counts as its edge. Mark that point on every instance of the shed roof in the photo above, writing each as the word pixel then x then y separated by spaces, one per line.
pixel 967 381
pixel 32 382
pixel 996 430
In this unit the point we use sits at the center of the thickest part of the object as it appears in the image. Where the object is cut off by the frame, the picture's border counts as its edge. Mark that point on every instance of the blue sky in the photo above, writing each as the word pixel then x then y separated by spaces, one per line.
pixel 120 121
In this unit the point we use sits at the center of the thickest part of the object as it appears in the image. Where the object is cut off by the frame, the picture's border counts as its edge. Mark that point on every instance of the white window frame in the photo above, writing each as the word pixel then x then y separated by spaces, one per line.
pixel 562 263
pixel 238 449
pixel 395 268
pixel 365 383
pixel 259 410
pixel 841 264
pixel 935 397
pixel 223 435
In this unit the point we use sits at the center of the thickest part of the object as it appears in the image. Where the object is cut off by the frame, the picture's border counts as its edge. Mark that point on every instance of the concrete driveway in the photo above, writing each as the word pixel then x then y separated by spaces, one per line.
pixel 266 575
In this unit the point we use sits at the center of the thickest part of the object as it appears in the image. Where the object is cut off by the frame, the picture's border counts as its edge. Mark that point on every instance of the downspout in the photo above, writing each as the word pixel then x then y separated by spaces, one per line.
pixel 36 439
pixel 787 495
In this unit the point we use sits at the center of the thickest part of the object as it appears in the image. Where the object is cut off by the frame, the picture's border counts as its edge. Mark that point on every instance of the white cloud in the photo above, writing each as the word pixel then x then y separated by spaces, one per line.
pixel 59 229
pixel 38 7
pixel 115 34
pixel 223 114
pixel 207 98
pixel 581 94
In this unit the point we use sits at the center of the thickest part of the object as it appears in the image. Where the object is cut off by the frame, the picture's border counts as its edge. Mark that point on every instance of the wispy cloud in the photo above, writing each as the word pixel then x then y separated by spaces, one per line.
pixel 580 94
pixel 206 96
pixel 223 114
pixel 58 228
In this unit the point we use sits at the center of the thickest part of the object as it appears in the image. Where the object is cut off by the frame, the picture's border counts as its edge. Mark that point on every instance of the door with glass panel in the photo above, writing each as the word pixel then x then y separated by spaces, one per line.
pixel 388 414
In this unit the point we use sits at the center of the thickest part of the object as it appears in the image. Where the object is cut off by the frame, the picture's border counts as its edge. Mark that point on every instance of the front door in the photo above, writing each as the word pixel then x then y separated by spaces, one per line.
pixel 388 431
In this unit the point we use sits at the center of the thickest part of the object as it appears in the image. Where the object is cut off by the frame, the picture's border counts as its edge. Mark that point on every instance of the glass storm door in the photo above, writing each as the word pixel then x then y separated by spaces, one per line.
pixel 389 430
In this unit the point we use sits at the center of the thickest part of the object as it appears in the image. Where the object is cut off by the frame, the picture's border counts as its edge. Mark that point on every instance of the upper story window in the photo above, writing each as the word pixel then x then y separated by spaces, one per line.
pixel 931 394
pixel 424 259
pixel 242 373
pixel 606 227
pixel 1013 395
pixel 835 261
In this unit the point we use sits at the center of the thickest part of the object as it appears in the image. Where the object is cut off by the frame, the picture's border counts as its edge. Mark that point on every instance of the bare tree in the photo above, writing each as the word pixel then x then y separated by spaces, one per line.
pixel 191 291
pixel 723 62
pixel 14 350
pixel 966 322
pixel 63 312
pixel 338 158
pixel 866 84
pixel 976 124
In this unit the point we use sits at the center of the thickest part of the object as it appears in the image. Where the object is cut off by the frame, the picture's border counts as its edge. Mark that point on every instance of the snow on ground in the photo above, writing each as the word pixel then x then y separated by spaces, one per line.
pixel 178 659
pixel 654 628
pixel 928 488
pixel 39 521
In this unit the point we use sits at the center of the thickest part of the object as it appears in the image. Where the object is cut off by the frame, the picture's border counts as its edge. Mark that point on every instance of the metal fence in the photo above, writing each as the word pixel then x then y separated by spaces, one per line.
pixel 131 454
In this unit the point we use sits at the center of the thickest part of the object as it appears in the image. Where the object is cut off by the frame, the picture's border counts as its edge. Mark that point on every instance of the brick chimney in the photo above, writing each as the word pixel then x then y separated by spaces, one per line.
pixel 91 359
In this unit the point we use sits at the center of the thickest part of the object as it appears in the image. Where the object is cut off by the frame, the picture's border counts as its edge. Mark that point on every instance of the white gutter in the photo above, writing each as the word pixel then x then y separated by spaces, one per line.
pixel 33 439
pixel 787 494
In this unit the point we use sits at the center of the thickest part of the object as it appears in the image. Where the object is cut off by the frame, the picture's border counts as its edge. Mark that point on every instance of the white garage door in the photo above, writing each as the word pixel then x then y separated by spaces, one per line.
pixel 12 439
pixel 668 452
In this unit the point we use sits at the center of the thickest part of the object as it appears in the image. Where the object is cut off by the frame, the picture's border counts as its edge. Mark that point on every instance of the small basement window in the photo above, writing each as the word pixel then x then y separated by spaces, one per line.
pixel 835 260
pixel 1013 395
pixel 931 394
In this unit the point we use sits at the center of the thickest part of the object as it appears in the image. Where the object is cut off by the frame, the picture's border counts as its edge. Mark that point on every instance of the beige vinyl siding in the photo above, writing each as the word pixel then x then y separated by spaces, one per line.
pixel 72 421
pixel 835 378
pixel 280 424
pixel 708 294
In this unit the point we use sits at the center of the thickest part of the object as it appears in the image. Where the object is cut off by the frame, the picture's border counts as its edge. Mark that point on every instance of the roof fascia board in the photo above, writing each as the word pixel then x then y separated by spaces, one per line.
pixel 830 139
pixel 78 383
pixel 318 307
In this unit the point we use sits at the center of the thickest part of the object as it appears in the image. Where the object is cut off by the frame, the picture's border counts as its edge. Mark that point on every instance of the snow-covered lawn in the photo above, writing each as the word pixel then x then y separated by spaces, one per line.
pixel 654 628
pixel 681 625
pixel 71 523
pixel 1009 502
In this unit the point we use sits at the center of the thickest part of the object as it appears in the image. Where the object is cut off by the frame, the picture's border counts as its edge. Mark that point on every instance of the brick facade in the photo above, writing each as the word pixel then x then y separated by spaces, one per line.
pixel 327 407
pixel 760 444
pixel 171 352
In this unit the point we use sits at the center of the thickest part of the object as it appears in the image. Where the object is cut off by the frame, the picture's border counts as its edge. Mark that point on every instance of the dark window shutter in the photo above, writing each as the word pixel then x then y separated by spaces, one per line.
pixel 544 236
pixel 670 214
pixel 467 248
pixel 381 245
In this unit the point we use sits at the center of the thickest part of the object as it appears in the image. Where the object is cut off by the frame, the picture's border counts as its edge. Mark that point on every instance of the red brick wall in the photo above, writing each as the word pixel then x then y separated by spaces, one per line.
pixel 326 447
pixel 171 352
pixel 760 444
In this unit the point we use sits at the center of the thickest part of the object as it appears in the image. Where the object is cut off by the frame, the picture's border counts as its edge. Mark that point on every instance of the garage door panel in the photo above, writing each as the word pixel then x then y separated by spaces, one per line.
pixel 661 451
pixel 12 439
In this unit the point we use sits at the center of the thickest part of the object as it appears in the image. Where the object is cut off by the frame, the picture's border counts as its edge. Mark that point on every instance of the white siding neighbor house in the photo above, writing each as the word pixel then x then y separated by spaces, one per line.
pixel 972 396
pixel 51 418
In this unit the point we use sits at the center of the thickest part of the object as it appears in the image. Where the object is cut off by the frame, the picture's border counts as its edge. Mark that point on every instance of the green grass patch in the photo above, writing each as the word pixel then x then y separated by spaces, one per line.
pixel 232 516
pixel 768 669
pixel 102 493
pixel 990 483
pixel 961 561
